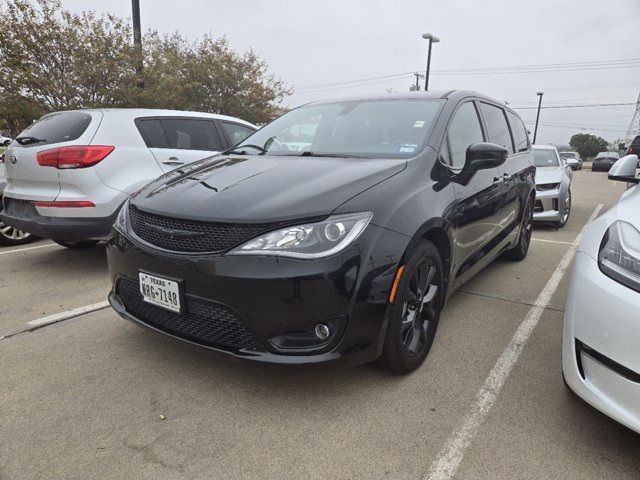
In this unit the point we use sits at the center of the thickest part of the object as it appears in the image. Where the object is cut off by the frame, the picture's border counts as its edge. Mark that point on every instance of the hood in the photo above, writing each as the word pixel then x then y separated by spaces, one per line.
pixel 262 189
pixel 549 175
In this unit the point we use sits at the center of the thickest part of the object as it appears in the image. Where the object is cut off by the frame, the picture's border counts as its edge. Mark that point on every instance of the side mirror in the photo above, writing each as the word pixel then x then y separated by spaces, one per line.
pixel 624 170
pixel 482 156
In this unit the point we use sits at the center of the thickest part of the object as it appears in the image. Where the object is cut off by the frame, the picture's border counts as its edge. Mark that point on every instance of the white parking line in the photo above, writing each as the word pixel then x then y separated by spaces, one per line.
pixel 58 317
pixel 446 464
pixel 16 250
pixel 553 241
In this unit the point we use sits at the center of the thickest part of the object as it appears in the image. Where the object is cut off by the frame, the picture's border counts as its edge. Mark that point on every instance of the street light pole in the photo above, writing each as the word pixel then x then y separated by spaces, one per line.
pixel 535 131
pixel 432 39
pixel 137 39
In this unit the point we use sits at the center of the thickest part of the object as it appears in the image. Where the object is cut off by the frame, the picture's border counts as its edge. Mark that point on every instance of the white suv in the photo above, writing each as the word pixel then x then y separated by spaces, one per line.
pixel 69 173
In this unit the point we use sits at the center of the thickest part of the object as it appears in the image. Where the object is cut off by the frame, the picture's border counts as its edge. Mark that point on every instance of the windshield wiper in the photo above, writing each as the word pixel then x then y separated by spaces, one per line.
pixel 238 150
pixel 331 155
pixel 29 140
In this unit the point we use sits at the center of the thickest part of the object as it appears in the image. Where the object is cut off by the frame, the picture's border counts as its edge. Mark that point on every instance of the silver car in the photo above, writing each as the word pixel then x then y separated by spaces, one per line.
pixel 553 186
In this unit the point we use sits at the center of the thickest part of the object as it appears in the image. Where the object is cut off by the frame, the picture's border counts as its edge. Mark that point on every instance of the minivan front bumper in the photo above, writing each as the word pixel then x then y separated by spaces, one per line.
pixel 240 305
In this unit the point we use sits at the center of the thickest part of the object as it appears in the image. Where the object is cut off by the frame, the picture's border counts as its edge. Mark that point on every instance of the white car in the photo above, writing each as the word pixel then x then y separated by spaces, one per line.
pixel 10 236
pixel 69 173
pixel 4 141
pixel 553 186
pixel 601 336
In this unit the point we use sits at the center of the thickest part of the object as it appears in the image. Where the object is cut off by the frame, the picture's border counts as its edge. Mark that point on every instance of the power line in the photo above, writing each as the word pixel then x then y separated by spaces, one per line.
pixel 576 106
pixel 532 68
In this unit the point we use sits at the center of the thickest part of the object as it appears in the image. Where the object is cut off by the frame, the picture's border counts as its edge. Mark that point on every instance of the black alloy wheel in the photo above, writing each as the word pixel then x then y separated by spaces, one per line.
pixel 519 252
pixel 415 312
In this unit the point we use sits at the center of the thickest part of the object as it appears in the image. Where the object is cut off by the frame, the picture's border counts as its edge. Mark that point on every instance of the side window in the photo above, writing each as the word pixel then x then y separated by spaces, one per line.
pixel 520 136
pixel 191 134
pixel 464 131
pixel 152 133
pixel 236 132
pixel 497 127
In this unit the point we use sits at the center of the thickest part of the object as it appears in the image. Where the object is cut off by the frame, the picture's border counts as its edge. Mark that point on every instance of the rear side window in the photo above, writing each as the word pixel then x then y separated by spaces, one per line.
pixel 152 133
pixel 180 133
pixel 236 132
pixel 520 136
pixel 188 134
pixel 57 128
pixel 497 127
pixel 464 131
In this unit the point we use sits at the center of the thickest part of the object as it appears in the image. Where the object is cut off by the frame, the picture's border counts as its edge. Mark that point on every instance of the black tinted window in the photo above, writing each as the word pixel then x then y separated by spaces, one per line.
pixel 58 127
pixel 520 135
pixel 236 132
pixel 152 133
pixel 191 134
pixel 497 127
pixel 464 131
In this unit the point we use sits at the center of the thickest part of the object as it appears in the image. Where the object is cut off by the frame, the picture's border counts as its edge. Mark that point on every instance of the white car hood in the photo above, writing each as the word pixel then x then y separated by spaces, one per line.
pixel 549 175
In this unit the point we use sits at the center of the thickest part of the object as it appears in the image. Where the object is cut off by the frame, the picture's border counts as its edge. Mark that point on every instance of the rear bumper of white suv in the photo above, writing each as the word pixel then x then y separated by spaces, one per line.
pixel 23 215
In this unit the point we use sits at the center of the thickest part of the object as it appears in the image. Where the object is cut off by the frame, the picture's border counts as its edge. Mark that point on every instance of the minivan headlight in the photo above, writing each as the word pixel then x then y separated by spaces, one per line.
pixel 121 220
pixel 619 255
pixel 310 240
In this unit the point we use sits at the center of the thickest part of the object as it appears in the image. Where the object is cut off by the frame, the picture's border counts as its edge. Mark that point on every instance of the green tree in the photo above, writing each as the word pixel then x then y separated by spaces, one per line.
pixel 588 145
pixel 54 59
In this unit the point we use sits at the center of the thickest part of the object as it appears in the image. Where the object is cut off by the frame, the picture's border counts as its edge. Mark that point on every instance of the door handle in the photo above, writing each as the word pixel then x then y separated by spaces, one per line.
pixel 173 161
pixel 498 180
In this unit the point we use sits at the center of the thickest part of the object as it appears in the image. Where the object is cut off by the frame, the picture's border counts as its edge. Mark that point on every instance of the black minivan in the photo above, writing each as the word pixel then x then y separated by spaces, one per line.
pixel 333 235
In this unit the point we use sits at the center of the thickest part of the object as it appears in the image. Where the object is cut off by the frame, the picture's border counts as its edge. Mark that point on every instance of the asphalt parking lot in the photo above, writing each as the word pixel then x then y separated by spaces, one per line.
pixel 94 396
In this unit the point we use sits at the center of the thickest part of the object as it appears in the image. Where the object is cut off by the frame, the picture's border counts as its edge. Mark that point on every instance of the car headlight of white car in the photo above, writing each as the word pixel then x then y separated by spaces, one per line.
pixel 309 241
pixel 619 256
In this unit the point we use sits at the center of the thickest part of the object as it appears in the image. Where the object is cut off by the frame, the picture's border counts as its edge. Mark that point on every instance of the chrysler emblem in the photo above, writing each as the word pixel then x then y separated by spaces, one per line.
pixel 13 159
pixel 172 233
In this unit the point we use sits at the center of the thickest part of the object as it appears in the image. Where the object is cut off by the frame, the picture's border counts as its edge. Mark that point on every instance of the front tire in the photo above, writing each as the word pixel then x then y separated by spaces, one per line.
pixel 415 312
pixel 519 252
pixel 10 236
pixel 77 245
pixel 567 211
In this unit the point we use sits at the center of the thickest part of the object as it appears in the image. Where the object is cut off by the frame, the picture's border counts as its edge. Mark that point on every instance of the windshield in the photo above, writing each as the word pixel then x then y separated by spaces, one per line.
pixel 568 155
pixel 368 128
pixel 545 158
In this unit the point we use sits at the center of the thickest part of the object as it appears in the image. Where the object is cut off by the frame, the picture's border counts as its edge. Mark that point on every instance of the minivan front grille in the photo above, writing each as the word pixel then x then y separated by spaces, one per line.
pixel 203 322
pixel 192 236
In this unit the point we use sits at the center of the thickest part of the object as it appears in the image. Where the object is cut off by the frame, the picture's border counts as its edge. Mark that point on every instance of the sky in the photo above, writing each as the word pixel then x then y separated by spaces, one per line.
pixel 575 51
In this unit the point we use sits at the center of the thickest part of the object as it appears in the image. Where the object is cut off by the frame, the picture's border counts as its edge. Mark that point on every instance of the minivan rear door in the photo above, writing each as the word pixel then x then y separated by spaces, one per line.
pixel 177 141
pixel 28 180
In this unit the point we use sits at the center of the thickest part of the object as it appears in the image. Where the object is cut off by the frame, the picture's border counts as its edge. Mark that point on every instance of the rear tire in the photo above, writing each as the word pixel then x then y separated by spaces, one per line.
pixel 77 245
pixel 415 312
pixel 519 252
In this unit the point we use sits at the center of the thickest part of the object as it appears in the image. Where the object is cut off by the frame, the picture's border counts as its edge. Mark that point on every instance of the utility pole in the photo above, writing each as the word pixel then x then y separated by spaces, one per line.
pixel 416 88
pixel 432 39
pixel 535 131
pixel 137 39
pixel 634 126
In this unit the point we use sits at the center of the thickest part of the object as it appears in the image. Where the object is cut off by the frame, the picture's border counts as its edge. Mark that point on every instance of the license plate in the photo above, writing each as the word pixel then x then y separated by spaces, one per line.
pixel 161 292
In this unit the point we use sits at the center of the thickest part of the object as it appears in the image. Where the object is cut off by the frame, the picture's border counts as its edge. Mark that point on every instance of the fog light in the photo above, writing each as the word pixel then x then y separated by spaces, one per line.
pixel 322 331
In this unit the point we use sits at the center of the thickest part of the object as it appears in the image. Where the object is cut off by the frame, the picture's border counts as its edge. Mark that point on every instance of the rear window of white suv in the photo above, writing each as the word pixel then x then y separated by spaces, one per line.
pixel 56 128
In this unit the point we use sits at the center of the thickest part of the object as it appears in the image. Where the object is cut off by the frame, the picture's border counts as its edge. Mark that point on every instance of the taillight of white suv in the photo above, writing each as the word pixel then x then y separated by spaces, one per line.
pixel 77 156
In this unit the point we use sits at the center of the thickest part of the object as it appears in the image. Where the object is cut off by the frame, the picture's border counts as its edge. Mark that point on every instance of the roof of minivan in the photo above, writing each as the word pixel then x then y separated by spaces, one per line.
pixel 436 94
pixel 545 147
pixel 154 112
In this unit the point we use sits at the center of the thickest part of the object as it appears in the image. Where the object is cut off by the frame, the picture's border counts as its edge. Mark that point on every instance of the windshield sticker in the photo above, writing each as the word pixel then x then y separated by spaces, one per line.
pixel 407 148
pixel 419 124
